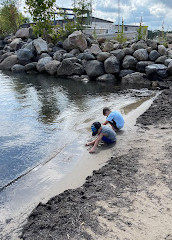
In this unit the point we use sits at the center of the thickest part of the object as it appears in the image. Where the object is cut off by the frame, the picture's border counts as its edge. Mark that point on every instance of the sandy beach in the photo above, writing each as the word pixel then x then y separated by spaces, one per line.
pixel 128 198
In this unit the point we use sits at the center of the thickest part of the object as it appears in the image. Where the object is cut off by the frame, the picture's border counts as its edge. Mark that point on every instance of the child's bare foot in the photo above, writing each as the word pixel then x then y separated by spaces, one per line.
pixel 92 151
pixel 87 144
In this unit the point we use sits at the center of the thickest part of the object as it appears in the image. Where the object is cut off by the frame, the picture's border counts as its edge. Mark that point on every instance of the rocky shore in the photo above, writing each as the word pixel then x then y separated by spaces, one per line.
pixel 128 198
pixel 81 57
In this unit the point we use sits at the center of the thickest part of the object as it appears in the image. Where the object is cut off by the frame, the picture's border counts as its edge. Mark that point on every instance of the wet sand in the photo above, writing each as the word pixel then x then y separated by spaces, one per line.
pixel 129 198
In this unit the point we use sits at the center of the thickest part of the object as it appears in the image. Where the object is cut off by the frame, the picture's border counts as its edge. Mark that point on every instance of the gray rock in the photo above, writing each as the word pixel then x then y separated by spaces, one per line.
pixel 43 55
pixel 95 49
pixel 5 55
pixel 162 50
pixel 139 45
pixel 24 54
pixel 75 52
pixel 136 79
pixel 102 56
pixel 30 66
pixel 67 68
pixel 119 54
pixel 67 55
pixel 129 62
pixel 15 42
pixel 23 33
pixel 67 45
pixel 40 45
pixel 161 60
pixel 128 51
pixel 94 68
pixel 74 60
pixel 169 69
pixel 42 62
pixel 51 67
pixel 2 44
pixel 167 62
pixel 111 65
pixel 106 78
pixel 58 56
pixel 17 68
pixel 140 67
pixel 108 47
pixel 78 40
pixel 169 53
pixel 87 56
pixel 153 55
pixel 155 70
pixel 125 72
pixel 8 62
pixel 153 44
pixel 141 54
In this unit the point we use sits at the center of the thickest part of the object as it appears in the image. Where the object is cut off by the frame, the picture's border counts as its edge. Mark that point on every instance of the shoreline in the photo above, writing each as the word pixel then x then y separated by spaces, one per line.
pixel 127 197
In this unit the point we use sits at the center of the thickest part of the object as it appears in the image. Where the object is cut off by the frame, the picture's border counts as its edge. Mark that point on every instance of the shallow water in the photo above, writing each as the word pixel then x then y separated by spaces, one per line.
pixel 44 124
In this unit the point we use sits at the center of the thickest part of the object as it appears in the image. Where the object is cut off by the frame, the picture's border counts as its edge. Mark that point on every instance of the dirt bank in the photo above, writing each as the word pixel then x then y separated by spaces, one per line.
pixel 129 198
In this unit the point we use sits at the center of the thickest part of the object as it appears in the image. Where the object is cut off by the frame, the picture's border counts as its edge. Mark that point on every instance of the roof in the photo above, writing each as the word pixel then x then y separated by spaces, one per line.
pixel 101 20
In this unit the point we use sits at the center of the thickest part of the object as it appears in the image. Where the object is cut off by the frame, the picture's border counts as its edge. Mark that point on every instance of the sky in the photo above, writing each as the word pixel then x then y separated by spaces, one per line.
pixel 154 13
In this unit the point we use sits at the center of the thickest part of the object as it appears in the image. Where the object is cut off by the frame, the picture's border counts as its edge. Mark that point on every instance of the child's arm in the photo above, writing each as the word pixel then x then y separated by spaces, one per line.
pixel 105 122
pixel 92 150
pixel 90 143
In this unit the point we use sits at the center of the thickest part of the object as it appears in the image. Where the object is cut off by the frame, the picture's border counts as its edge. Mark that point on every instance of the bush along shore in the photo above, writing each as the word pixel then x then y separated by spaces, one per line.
pixel 81 57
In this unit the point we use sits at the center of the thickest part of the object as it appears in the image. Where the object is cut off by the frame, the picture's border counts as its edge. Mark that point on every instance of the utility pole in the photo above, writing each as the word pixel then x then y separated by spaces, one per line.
pixel 119 9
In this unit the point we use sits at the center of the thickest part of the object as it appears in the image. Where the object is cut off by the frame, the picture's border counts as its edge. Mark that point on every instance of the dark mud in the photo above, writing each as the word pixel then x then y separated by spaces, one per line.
pixel 117 200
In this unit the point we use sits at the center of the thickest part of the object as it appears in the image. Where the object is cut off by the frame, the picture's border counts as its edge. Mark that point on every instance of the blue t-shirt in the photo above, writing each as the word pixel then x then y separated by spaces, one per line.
pixel 109 133
pixel 117 117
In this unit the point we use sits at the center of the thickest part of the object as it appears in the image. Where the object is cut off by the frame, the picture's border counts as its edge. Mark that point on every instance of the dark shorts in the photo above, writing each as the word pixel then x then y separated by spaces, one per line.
pixel 107 140
pixel 113 124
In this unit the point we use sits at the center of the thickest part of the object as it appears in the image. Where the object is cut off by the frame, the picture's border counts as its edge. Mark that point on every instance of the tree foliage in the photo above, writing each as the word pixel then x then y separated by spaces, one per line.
pixel 42 12
pixel 82 10
pixel 10 17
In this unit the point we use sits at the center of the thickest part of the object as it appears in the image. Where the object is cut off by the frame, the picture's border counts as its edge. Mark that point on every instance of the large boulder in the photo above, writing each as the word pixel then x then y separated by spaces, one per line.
pixel 40 45
pixel 15 42
pixel 106 78
pixel 141 54
pixel 67 68
pixel 23 33
pixel 86 56
pixel 156 70
pixel 129 62
pixel 108 47
pixel 119 54
pixel 94 68
pixel 136 79
pixel 161 60
pixel 162 50
pixel 140 67
pixel 8 62
pixel 102 56
pixel 128 51
pixel 24 55
pixel 42 62
pixel 153 44
pixel 95 49
pixel 139 45
pixel 17 68
pixel 52 66
pixel 5 55
pixel 153 55
pixel 112 65
pixel 78 40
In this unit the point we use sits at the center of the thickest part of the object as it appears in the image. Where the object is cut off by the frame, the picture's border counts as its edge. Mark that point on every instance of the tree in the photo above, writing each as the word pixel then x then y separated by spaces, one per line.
pixel 42 12
pixel 10 17
pixel 83 11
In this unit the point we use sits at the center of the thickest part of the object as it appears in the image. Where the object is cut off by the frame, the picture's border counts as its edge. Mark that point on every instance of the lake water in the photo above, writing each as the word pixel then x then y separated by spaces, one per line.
pixel 45 122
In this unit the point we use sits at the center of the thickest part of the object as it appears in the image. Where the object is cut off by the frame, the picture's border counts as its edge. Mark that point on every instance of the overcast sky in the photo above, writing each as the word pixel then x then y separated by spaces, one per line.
pixel 153 12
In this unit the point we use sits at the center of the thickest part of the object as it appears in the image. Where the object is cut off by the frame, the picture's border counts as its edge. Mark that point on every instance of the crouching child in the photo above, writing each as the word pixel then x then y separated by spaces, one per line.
pixel 104 133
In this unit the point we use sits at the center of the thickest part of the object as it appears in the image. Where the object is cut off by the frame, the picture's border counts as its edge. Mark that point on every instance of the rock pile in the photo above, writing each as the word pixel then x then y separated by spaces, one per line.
pixel 81 57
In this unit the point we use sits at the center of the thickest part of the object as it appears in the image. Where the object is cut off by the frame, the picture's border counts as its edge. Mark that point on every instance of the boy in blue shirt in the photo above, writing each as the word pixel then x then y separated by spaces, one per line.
pixel 115 118
pixel 105 134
